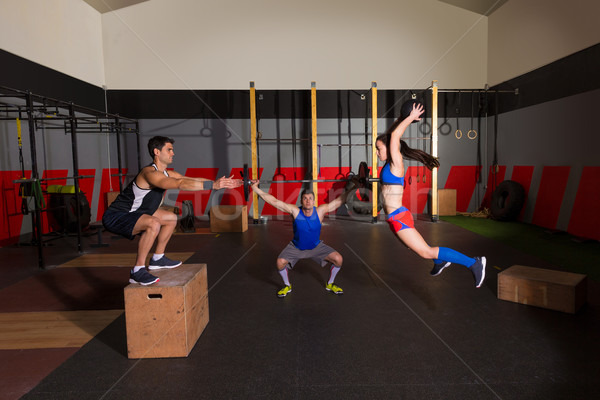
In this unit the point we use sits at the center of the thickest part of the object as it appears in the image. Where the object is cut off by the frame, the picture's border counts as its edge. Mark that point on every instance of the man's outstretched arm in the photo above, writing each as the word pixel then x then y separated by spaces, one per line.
pixel 272 200
pixel 177 181
pixel 338 201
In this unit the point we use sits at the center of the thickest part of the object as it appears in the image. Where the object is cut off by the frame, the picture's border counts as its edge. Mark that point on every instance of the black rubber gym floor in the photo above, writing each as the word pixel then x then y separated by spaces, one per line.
pixel 396 332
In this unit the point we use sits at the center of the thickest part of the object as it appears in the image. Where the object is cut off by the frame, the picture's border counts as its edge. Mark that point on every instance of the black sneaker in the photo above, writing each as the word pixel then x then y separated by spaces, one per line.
pixel 142 277
pixel 439 267
pixel 478 270
pixel 163 262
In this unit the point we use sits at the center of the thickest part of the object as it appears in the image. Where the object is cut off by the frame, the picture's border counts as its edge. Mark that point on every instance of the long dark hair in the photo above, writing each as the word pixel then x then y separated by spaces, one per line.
pixel 408 152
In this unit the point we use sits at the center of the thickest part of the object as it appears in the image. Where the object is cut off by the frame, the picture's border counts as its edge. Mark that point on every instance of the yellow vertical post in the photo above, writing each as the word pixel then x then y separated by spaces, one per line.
pixel 253 147
pixel 434 151
pixel 373 148
pixel 315 160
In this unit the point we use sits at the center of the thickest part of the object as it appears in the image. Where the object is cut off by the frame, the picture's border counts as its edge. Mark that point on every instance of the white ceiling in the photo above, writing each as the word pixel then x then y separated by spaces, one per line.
pixel 104 6
pixel 483 7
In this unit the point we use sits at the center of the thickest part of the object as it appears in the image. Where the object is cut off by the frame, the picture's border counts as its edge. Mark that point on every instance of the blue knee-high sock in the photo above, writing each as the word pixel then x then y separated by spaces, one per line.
pixel 446 254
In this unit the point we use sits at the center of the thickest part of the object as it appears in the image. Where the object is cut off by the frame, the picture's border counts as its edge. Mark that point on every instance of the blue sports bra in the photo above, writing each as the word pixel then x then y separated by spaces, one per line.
pixel 387 178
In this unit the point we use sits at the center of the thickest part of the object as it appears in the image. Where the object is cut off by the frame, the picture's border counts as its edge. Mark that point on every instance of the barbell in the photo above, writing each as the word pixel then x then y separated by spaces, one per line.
pixel 363 178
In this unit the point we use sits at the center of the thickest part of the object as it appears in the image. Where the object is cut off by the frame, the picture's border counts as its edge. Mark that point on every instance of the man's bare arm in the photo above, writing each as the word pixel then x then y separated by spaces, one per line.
pixel 181 182
pixel 272 200
pixel 338 201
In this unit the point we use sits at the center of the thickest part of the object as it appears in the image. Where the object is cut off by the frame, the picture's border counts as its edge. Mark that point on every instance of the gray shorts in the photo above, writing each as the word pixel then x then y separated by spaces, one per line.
pixel 318 254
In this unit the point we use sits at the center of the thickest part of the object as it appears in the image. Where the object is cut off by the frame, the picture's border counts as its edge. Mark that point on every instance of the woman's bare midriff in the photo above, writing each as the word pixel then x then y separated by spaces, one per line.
pixel 392 197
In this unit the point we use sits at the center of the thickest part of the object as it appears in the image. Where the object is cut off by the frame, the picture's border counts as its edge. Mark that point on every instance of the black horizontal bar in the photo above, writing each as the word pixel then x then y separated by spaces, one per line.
pixel 69 177
pixel 316 180
pixel 53 179
pixel 63 104
pixel 343 144
pixel 280 140
pixel 516 91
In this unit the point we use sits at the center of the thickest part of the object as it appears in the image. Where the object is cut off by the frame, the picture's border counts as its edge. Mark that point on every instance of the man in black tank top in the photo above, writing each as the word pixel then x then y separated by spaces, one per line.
pixel 136 210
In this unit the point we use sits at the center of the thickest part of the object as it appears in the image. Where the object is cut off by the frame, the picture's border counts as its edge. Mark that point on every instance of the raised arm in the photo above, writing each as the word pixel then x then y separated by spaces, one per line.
pixel 397 130
pixel 272 200
pixel 338 201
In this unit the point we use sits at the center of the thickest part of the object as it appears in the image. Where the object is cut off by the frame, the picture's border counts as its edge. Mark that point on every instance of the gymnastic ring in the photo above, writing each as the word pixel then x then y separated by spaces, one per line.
pixel 444 131
pixel 474 134
pixel 340 176
pixel 458 134
pixel 206 132
pixel 276 177
pixel 425 128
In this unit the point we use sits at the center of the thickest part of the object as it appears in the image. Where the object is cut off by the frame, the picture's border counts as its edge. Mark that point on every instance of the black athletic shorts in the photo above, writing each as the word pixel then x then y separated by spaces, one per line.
pixel 121 222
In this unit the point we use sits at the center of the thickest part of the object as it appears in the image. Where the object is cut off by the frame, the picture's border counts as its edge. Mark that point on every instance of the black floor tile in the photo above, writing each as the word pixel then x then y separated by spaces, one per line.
pixel 396 333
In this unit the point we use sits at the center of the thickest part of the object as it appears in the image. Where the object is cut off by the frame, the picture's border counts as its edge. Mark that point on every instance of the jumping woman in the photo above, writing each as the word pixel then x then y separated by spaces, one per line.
pixel 392 151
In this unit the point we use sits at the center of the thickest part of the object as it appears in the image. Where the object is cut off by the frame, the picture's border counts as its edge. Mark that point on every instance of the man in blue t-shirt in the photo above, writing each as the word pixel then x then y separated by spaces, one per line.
pixel 307 241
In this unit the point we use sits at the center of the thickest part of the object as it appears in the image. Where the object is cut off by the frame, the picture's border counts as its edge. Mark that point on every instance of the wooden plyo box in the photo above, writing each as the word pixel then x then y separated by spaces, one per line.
pixel 228 219
pixel 555 290
pixel 447 201
pixel 167 318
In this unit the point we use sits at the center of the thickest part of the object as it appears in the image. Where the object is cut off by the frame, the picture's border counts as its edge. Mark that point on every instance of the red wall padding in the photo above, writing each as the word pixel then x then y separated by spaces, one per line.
pixel 583 221
pixel 11 217
pixel 328 191
pixel 523 174
pixel 416 189
pixel 86 185
pixel 585 218
pixel 286 192
pixel 463 178
pixel 550 196
pixel 108 183
pixel 235 197
pixel 54 173
pixel 494 179
pixel 198 198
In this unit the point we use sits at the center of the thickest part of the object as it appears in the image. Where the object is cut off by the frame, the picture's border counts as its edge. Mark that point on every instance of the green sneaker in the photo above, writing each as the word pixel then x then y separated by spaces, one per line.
pixel 330 287
pixel 283 292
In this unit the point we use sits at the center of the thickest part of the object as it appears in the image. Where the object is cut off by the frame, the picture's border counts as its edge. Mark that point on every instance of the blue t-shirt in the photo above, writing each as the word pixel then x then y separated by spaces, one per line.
pixel 307 230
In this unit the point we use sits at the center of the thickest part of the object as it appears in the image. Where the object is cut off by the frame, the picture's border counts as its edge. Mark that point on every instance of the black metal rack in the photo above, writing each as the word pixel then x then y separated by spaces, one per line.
pixel 72 119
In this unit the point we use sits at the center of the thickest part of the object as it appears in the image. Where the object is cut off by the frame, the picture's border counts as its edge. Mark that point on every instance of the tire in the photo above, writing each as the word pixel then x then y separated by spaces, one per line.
pixel 507 201
pixel 356 204
pixel 84 209
pixel 64 211
pixel 187 217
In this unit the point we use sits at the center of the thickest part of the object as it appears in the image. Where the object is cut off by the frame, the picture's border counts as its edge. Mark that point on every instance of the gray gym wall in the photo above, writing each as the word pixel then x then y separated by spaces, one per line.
pixel 520 139
pixel 538 135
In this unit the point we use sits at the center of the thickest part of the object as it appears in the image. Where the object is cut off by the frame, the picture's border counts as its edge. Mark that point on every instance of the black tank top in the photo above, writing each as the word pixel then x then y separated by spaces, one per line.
pixel 134 198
